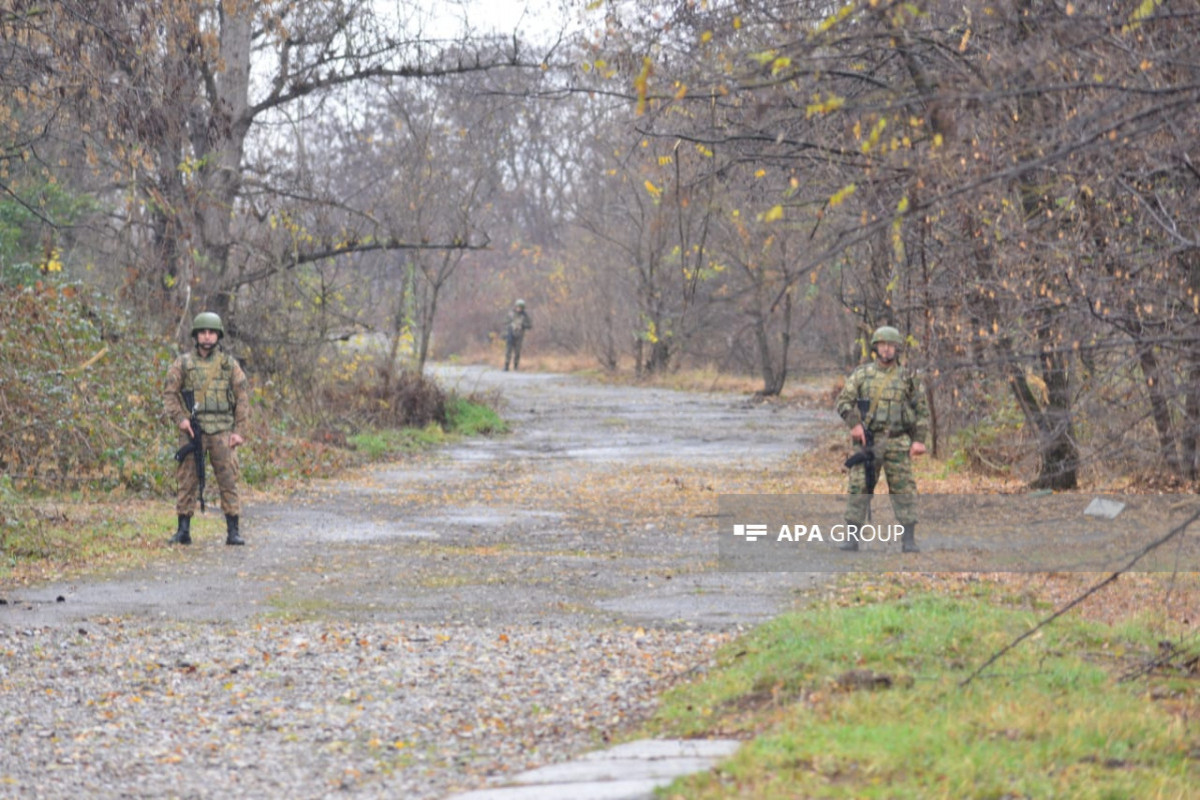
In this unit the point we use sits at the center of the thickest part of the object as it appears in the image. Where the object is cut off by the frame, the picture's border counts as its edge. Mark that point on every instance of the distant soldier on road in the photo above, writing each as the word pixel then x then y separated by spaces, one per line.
pixel 216 384
pixel 514 334
pixel 886 402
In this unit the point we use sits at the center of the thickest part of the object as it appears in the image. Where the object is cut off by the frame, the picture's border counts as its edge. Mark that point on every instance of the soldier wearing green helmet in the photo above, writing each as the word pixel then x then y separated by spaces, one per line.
pixel 216 385
pixel 885 402
pixel 514 334
pixel 886 333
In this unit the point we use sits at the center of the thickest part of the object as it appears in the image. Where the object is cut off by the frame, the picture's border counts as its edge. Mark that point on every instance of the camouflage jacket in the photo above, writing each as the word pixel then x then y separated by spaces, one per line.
pixel 219 384
pixel 518 322
pixel 898 404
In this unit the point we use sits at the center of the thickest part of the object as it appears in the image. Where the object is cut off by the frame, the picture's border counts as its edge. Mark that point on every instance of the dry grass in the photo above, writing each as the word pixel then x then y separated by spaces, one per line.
pixel 816 390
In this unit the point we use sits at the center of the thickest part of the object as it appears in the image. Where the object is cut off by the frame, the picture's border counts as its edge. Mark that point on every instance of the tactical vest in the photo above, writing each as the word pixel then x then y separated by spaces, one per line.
pixel 891 393
pixel 516 325
pixel 212 382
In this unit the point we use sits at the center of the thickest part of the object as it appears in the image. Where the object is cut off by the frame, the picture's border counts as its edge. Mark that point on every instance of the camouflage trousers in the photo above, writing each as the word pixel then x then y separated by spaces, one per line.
pixel 902 487
pixel 512 350
pixel 225 468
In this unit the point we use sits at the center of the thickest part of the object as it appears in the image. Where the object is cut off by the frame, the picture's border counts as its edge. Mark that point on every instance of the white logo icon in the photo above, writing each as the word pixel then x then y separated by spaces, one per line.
pixel 750 532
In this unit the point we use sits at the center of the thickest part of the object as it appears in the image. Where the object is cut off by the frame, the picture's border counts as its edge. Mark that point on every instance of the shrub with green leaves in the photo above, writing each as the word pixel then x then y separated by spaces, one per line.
pixel 78 386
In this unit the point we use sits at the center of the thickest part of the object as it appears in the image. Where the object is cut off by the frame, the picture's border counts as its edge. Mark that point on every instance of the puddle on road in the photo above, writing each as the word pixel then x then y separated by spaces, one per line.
pixel 581 440
pixel 561 418
pixel 487 517
pixel 690 609
pixel 714 599
pixel 330 526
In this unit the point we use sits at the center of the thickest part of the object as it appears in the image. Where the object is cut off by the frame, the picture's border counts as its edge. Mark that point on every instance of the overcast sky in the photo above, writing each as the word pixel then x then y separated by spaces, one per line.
pixel 533 19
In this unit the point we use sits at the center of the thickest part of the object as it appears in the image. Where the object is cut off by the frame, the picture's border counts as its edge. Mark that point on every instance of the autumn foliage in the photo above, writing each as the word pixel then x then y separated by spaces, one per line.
pixel 81 401
pixel 77 391
pixel 748 186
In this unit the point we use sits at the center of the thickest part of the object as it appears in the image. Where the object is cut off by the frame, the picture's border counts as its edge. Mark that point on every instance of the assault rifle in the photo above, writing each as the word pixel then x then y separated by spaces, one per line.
pixel 866 454
pixel 195 445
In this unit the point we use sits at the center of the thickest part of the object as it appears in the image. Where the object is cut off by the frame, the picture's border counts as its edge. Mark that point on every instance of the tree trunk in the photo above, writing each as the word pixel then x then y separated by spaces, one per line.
pixel 765 361
pixel 1191 425
pixel 221 146
pixel 397 332
pixel 660 357
pixel 1059 468
pixel 774 371
pixel 1060 454
pixel 1160 410
pixel 427 326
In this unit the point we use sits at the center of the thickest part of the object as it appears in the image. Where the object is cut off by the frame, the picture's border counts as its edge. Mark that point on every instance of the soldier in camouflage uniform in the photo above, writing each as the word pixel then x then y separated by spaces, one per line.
pixel 514 334
pixel 898 416
pixel 222 408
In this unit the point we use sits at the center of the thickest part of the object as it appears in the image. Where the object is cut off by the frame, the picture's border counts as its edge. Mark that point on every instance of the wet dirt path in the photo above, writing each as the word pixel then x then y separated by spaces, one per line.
pixel 597 510
pixel 412 629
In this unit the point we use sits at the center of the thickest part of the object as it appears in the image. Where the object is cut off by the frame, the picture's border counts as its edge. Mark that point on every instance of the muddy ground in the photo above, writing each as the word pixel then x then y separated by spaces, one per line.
pixel 598 509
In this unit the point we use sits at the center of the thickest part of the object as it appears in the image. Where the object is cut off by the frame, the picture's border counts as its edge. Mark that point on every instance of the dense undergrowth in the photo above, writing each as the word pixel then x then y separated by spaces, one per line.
pixel 81 414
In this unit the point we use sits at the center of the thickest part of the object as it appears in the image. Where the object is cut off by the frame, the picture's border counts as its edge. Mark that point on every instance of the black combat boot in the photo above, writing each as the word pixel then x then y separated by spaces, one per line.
pixel 183 534
pixel 851 543
pixel 908 539
pixel 232 536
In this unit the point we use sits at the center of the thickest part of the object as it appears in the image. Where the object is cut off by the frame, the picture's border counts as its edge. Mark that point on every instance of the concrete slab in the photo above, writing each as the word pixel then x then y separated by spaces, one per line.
pixel 668 748
pixel 608 790
pixel 609 769
pixel 1102 507
pixel 630 771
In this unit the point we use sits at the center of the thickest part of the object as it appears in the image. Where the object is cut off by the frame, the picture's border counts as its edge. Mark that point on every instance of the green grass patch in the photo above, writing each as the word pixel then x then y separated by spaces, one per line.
pixel 865 702
pixel 466 416
pixel 378 445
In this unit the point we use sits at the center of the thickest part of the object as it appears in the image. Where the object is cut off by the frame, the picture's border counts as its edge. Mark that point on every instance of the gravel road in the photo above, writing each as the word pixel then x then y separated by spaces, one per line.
pixel 414 628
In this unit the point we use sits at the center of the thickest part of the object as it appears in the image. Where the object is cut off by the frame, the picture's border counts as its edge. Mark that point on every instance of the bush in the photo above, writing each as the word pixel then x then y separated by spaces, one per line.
pixel 364 394
pixel 993 444
pixel 81 408
pixel 79 395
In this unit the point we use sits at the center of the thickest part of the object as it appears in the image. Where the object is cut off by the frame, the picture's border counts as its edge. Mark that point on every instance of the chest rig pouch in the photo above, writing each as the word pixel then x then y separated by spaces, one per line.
pixel 891 396
pixel 211 380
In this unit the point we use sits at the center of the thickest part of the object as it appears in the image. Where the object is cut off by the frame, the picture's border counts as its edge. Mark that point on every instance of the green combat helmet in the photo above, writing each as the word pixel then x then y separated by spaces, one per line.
pixel 886 333
pixel 519 304
pixel 208 321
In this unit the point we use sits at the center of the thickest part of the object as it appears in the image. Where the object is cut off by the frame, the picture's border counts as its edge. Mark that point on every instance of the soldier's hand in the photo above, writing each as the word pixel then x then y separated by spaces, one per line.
pixel 858 434
pixel 236 440
pixel 917 449
pixel 185 425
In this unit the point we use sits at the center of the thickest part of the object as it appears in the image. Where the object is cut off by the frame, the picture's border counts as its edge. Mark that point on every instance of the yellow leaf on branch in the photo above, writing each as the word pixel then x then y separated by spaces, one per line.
pixel 641 84
pixel 840 195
